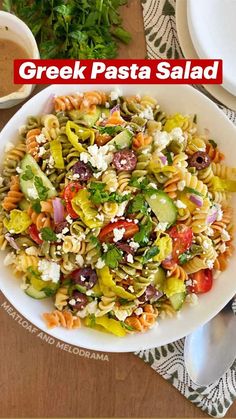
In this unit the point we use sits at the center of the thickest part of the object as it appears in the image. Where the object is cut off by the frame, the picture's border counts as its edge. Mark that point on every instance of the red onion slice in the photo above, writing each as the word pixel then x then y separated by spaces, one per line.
pixel 115 109
pixel 58 210
pixel 163 159
pixel 197 200
pixel 11 241
pixel 212 217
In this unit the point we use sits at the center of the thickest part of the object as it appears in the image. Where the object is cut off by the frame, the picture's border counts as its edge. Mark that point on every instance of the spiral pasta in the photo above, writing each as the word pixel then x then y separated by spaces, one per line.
pixel 62 318
pixel 13 196
pixel 32 146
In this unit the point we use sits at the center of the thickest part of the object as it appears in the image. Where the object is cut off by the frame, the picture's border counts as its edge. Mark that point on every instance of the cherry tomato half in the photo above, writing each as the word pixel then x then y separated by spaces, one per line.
pixel 182 237
pixel 34 234
pixel 107 234
pixel 68 194
pixel 202 281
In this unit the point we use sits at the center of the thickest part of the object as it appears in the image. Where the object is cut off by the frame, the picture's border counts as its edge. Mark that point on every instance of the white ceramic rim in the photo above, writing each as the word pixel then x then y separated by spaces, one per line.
pixel 26 90
pixel 91 339
pixel 216 90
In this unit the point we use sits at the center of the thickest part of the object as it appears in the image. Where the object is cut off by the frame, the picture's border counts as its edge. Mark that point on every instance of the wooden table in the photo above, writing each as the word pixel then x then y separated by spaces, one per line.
pixel 37 379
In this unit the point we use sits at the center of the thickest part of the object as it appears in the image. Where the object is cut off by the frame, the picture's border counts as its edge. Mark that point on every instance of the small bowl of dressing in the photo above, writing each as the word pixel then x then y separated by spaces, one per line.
pixel 16 42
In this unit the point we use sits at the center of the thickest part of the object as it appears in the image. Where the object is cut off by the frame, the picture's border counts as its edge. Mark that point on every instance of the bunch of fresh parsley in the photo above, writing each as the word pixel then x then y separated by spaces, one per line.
pixel 79 29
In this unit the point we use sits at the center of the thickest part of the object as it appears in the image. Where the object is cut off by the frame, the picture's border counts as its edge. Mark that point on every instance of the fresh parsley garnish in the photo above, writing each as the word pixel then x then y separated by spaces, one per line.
pixel 28 174
pixel 142 237
pixel 126 326
pixel 41 189
pixel 94 240
pixel 213 143
pixel 138 204
pixel 137 183
pixel 112 131
pixel 79 29
pixel 98 195
pixel 150 253
pixel 122 301
pixel 184 258
pixel 113 256
pixel 193 191
pixel 169 158
pixel 49 291
pixel 36 205
pixel 48 235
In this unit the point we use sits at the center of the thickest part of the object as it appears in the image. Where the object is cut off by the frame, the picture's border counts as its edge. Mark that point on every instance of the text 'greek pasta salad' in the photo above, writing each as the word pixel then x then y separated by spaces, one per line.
pixel 116 211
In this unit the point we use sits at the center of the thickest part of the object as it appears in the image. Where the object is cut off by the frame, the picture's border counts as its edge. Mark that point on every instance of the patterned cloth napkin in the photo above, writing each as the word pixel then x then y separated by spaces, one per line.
pixel 168 361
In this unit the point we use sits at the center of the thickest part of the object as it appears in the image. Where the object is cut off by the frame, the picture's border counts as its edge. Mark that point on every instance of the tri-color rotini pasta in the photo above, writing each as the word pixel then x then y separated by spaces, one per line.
pixel 115 210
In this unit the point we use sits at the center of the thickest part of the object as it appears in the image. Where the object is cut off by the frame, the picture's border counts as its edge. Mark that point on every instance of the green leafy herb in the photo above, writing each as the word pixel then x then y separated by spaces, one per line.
pixel 49 291
pixel 48 235
pixel 126 326
pixel 184 258
pixel 150 253
pixel 76 29
pixel 94 240
pixel 138 204
pixel 41 189
pixel 193 191
pixel 142 237
pixel 112 131
pixel 169 158
pixel 123 301
pixel 213 143
pixel 113 256
pixel 98 195
pixel 36 205
pixel 137 183
pixel 28 174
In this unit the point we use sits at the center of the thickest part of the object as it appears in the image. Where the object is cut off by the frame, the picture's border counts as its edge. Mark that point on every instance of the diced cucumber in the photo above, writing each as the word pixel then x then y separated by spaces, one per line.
pixel 177 300
pixel 159 278
pixel 163 207
pixel 27 186
pixel 88 119
pixel 122 140
pixel 33 293
pixel 24 205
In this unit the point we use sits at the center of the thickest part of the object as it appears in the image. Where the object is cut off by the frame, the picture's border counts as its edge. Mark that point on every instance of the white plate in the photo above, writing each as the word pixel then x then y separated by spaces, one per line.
pixel 173 99
pixel 189 51
pixel 213 31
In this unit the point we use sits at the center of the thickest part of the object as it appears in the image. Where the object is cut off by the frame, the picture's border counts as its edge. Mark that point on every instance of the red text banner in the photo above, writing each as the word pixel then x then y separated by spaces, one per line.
pixel 120 71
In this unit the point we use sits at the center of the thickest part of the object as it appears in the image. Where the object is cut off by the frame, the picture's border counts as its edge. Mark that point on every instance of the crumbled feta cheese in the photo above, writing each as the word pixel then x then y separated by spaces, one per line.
pixel 121 209
pixel 192 299
pixel 179 204
pixel 189 282
pixel 222 248
pixel 72 302
pixel 115 94
pixel 161 226
pixel 131 288
pixel 177 135
pixel 18 170
pixel 50 271
pixel 79 260
pixel 161 139
pixel 98 157
pixel 69 219
pixel 205 244
pixel 65 230
pixel 12 231
pixel 9 259
pixel 210 263
pixel 90 308
pixel 118 234
pixel 152 185
pixel 41 139
pixel 145 151
pixel 32 193
pixel 107 105
pixel 181 185
pixel 209 231
pixel 76 176
pixel 130 258
pixel 82 278
pixel 51 162
pixel 100 264
pixel 105 247
pixel 41 151
pixel 138 311
pixel 32 251
pixel 225 235
pixel 134 245
pixel 89 293
pixel 100 217
pixel 9 146
pixel 147 113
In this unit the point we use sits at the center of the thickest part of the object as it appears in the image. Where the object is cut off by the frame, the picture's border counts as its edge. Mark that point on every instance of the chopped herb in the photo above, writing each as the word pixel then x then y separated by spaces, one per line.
pixel 123 301
pixel 112 131
pixel 126 326
pixel 49 291
pixel 142 237
pixel 113 256
pixel 36 205
pixel 138 204
pixel 137 183
pixel 193 191
pixel 41 189
pixel 28 174
pixel 79 288
pixel 117 146
pixel 169 158
pixel 98 195
pixel 184 258
pixel 94 240
pixel 48 235
pixel 213 143
pixel 150 253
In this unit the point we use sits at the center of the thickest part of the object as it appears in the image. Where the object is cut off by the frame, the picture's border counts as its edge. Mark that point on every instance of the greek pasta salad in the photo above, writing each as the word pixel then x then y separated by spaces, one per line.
pixel 115 210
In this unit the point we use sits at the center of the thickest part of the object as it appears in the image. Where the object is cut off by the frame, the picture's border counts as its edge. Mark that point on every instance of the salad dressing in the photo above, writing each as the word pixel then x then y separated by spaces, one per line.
pixel 9 51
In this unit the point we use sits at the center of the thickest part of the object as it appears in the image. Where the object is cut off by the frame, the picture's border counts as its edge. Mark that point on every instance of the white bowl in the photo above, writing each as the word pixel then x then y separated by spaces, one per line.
pixel 17 31
pixel 173 99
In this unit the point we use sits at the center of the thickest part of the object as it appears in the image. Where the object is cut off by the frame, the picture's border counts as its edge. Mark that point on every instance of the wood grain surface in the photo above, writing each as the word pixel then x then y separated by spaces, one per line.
pixel 37 379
